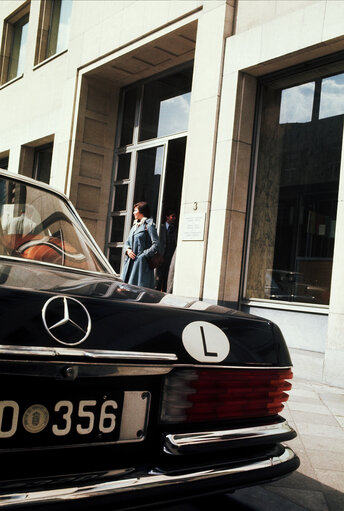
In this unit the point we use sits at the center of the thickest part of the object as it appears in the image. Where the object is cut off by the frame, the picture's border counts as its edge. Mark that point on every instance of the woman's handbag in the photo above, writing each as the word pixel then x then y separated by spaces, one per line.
pixel 156 260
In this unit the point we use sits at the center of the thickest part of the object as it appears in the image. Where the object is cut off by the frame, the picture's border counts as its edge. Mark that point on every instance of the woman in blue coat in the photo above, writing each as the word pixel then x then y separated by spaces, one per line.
pixel 142 243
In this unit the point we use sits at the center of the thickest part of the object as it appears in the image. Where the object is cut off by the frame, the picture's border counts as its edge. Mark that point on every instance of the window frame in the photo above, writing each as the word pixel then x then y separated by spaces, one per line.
pixel 28 161
pixel 38 152
pixel 287 77
pixel 8 32
pixel 45 20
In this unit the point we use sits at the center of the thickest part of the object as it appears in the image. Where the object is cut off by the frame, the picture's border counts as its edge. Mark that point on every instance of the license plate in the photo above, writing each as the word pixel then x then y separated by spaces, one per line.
pixel 107 418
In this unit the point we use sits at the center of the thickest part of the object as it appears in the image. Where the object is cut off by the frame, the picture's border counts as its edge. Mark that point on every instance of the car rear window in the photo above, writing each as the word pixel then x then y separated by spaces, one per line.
pixel 38 225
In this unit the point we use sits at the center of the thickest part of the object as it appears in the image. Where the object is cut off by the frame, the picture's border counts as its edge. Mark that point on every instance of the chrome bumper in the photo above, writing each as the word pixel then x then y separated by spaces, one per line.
pixel 190 443
pixel 110 484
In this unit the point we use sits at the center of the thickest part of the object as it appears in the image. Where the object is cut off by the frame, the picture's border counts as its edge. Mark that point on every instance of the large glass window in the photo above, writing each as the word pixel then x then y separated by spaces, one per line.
pixel 166 105
pixel 149 161
pixel 296 190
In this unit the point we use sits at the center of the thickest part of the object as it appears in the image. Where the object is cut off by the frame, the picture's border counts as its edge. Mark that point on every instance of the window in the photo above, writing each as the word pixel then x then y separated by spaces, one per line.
pixel 40 226
pixel 296 189
pixel 42 163
pixel 14 44
pixel 53 32
pixel 166 105
pixel 35 159
pixel 149 161
pixel 4 158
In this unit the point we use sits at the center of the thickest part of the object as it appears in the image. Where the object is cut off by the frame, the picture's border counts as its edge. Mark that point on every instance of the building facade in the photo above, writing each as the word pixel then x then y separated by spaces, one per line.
pixel 229 112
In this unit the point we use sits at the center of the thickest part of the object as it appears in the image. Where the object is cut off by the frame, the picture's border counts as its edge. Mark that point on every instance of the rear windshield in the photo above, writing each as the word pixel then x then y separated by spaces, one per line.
pixel 38 225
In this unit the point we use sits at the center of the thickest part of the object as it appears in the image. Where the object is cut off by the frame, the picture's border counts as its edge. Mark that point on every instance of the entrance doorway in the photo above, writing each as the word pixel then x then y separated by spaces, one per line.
pixel 149 163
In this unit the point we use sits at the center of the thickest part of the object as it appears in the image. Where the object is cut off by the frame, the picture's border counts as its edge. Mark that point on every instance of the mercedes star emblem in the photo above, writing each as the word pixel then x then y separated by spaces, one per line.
pixel 66 320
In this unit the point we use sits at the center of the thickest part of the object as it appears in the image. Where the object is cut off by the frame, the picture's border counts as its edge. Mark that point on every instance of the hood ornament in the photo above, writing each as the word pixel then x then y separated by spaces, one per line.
pixel 66 320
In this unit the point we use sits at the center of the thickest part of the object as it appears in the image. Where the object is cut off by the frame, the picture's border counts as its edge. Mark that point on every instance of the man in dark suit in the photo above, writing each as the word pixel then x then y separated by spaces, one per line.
pixel 168 243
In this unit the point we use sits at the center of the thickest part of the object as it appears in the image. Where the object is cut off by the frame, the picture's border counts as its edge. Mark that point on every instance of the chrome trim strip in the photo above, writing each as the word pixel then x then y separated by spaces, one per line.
pixel 62 370
pixel 208 366
pixel 265 303
pixel 43 351
pixel 174 444
pixel 60 267
pixel 149 480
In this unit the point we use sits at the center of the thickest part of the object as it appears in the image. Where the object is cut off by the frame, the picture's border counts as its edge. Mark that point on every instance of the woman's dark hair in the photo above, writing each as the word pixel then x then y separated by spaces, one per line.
pixel 143 208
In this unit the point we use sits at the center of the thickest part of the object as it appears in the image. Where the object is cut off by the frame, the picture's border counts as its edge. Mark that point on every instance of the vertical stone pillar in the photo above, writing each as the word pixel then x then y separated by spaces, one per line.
pixel 231 176
pixel 214 25
pixel 334 349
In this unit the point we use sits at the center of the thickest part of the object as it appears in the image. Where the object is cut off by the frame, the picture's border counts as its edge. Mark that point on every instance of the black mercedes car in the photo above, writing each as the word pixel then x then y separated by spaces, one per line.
pixel 114 395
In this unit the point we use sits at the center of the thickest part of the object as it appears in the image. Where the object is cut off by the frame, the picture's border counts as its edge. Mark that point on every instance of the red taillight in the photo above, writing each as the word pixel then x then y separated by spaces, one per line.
pixel 216 394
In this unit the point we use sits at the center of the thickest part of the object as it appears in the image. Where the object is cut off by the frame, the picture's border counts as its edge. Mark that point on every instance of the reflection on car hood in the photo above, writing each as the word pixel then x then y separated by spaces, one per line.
pixel 125 318
pixel 107 286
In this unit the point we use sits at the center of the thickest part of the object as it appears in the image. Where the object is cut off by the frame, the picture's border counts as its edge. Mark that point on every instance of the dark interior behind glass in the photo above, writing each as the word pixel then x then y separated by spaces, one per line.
pixel 295 200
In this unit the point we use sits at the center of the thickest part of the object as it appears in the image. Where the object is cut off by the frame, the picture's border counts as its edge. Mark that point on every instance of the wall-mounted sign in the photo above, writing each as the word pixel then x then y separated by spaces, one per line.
pixel 193 226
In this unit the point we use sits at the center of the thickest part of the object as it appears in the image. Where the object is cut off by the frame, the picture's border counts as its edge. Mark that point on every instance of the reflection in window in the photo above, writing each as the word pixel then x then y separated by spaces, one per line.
pixel 297 103
pixel 332 96
pixel 38 225
pixel 18 50
pixel 174 115
pixel 59 26
pixel 296 192
pixel 128 117
pixel 166 105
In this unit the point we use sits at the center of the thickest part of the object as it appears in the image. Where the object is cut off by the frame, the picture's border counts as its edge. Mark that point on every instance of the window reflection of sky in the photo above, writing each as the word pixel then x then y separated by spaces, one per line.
pixel 332 96
pixel 174 115
pixel 297 103
pixel 63 34
pixel 22 50
pixel 158 160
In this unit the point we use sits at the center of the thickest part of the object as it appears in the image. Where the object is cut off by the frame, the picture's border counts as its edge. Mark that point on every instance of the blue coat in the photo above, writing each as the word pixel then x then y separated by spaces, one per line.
pixel 144 242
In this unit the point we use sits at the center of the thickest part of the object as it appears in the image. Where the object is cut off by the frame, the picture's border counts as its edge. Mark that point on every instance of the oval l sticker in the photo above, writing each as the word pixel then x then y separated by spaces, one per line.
pixel 205 342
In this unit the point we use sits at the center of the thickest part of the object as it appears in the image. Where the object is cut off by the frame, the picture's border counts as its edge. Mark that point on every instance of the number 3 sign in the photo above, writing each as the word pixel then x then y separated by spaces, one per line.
pixel 205 342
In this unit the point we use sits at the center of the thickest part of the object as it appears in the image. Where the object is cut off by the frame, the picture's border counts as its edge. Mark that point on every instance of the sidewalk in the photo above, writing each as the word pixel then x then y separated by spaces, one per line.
pixel 316 412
